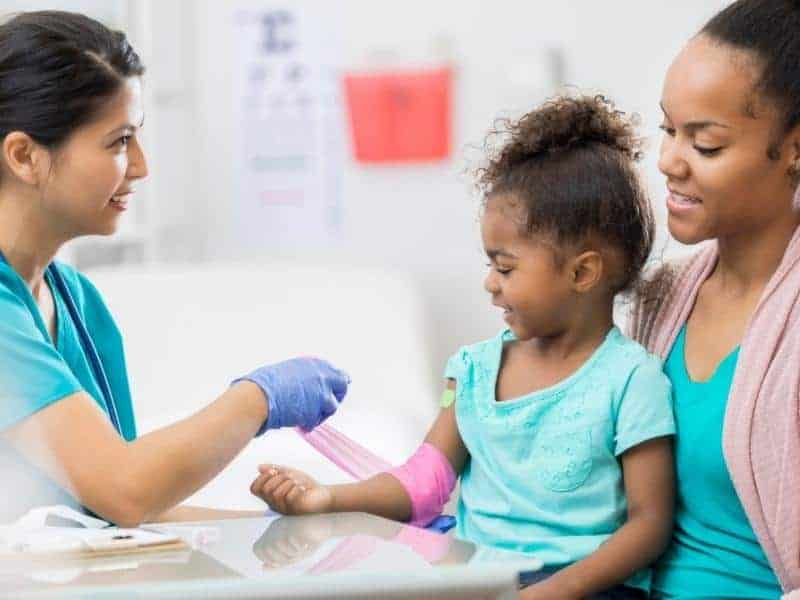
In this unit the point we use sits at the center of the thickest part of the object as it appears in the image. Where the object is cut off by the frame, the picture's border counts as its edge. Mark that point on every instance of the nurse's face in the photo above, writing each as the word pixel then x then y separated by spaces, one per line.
pixel 91 177
pixel 718 130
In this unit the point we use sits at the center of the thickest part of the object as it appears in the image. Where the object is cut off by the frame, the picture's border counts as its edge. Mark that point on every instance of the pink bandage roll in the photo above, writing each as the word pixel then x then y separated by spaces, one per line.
pixel 429 479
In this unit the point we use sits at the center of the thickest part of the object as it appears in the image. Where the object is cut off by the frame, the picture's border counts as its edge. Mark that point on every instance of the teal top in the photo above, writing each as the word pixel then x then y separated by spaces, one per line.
pixel 714 552
pixel 544 475
pixel 36 371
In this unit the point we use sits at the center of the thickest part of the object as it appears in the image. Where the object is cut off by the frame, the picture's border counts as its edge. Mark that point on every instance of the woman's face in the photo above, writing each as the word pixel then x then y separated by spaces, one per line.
pixel 91 177
pixel 718 130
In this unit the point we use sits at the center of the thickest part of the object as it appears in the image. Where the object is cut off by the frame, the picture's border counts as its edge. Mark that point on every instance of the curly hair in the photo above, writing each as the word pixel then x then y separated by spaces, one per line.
pixel 570 164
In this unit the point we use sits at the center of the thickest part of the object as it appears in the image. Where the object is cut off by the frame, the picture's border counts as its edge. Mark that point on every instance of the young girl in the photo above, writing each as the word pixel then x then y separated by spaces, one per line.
pixel 560 426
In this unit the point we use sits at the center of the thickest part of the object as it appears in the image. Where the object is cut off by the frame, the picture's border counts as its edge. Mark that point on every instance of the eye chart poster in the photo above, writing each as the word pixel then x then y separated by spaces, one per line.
pixel 291 136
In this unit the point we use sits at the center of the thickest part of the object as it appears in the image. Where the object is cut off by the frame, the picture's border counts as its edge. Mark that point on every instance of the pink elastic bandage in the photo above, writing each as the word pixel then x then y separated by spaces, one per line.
pixel 429 479
pixel 431 546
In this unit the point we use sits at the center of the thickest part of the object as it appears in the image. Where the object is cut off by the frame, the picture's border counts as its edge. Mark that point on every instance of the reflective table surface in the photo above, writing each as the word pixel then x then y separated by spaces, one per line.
pixel 347 555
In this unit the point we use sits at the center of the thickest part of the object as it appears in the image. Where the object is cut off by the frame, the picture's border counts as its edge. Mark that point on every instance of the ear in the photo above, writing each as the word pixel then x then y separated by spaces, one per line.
pixel 792 144
pixel 24 158
pixel 586 271
pixel 794 149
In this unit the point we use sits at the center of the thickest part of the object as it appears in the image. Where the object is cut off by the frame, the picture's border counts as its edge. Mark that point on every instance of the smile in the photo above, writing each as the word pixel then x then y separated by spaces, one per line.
pixel 679 203
pixel 120 202
pixel 681 199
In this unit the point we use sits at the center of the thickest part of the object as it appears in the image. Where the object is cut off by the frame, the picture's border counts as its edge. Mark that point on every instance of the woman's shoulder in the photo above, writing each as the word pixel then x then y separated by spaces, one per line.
pixel 74 278
pixel 661 282
pixel 79 284
pixel 89 302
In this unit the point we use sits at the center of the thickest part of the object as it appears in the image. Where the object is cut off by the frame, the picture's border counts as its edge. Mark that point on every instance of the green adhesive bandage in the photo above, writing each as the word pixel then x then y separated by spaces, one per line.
pixel 448 397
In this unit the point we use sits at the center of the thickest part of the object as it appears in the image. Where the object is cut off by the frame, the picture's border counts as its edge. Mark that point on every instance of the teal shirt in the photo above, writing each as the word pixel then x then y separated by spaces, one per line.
pixel 35 373
pixel 544 475
pixel 714 552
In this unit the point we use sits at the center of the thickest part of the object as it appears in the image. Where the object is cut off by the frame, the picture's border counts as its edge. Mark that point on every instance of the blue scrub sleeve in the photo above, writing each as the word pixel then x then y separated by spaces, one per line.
pixel 644 410
pixel 33 374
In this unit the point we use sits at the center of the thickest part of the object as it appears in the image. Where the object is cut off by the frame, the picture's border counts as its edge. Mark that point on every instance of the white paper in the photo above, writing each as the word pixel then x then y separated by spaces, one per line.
pixel 29 534
pixel 37 517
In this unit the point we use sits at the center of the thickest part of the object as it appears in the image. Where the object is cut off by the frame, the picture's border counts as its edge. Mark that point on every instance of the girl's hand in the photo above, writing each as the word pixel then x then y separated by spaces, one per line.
pixel 288 541
pixel 291 492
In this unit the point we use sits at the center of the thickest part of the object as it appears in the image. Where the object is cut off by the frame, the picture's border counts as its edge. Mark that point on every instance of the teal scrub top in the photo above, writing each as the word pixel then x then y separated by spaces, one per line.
pixel 544 475
pixel 714 552
pixel 36 371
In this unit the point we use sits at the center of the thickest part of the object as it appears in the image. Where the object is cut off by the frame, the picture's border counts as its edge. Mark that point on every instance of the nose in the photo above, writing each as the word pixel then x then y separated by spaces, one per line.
pixel 490 283
pixel 137 163
pixel 671 161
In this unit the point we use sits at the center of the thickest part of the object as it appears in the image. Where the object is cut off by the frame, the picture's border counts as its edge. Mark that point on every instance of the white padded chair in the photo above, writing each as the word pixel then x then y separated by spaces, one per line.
pixel 189 331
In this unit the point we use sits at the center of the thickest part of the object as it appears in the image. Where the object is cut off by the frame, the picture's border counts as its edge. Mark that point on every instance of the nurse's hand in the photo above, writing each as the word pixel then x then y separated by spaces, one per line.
pixel 291 492
pixel 300 392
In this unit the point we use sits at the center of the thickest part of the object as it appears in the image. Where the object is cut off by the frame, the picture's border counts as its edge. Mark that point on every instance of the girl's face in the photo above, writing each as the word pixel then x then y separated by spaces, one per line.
pixel 718 131
pixel 524 278
pixel 91 177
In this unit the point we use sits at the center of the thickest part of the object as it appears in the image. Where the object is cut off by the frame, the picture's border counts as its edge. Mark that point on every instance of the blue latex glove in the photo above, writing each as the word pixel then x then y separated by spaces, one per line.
pixel 301 392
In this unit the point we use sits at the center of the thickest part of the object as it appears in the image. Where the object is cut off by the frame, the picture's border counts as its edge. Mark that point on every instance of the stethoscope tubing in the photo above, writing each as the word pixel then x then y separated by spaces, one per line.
pixel 95 363
pixel 88 346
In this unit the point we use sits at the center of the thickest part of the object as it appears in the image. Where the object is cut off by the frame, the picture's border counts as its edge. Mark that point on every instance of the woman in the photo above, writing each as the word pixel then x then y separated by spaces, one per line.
pixel 727 321
pixel 70 112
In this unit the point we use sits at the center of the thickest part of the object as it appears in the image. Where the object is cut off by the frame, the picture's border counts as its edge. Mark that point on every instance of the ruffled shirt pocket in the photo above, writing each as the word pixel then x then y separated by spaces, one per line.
pixel 562 461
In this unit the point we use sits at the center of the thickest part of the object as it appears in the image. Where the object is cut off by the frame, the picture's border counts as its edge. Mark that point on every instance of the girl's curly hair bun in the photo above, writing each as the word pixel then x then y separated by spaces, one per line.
pixel 562 124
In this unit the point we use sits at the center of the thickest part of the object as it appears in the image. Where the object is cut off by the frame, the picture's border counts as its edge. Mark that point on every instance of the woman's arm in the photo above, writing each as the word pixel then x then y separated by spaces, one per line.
pixel 649 487
pixel 291 492
pixel 185 512
pixel 128 483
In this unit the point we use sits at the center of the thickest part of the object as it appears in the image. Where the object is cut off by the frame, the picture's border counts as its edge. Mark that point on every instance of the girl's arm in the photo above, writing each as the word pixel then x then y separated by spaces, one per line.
pixel 292 492
pixel 649 488
pixel 128 483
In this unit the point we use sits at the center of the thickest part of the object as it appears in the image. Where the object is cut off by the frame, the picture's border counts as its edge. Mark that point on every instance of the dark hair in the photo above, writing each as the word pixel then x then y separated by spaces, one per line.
pixel 770 31
pixel 570 163
pixel 56 71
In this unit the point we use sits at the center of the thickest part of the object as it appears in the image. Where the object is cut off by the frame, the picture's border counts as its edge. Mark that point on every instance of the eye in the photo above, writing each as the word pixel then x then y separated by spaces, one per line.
pixel 122 142
pixel 670 131
pixel 501 270
pixel 707 151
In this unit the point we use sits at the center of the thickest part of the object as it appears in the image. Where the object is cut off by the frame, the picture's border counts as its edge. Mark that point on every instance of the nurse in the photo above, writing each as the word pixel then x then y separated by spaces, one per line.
pixel 70 160
pixel 727 321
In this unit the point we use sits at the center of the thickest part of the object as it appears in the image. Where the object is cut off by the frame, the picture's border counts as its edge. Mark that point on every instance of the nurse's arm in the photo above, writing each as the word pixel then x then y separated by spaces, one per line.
pixel 129 483
pixel 648 474
pixel 185 512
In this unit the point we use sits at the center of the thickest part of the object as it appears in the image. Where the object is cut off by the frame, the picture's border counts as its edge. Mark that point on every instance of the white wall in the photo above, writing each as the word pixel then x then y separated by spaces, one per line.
pixel 418 218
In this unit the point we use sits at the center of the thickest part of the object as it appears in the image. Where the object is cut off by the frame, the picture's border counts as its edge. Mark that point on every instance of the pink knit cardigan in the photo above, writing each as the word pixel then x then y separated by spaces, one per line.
pixel 761 435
